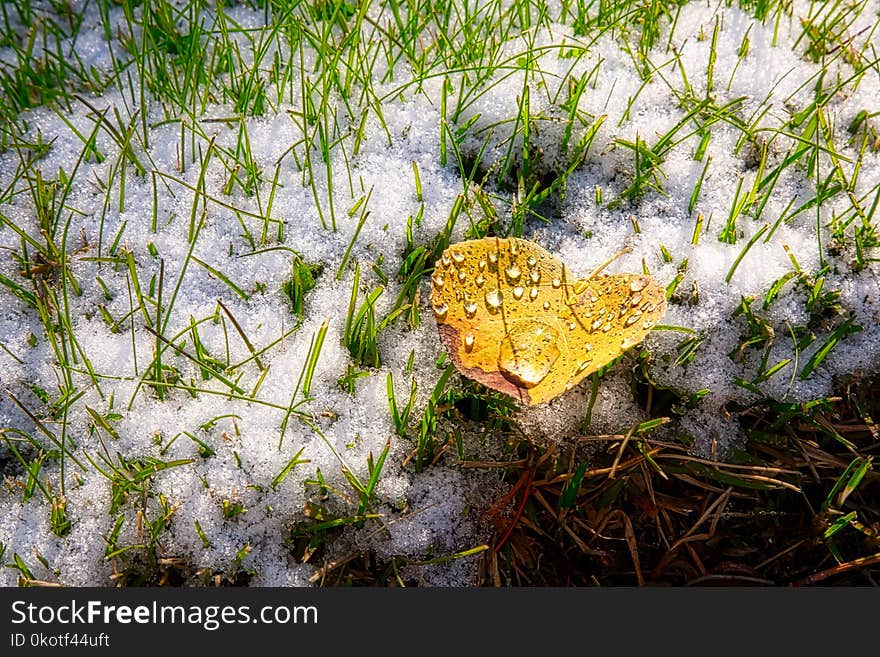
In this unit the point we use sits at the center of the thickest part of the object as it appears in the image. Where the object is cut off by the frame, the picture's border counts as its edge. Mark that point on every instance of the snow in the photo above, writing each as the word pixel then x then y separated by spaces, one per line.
pixel 442 509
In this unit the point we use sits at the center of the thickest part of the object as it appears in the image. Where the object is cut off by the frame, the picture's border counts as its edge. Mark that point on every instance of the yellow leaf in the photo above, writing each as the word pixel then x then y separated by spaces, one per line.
pixel 514 318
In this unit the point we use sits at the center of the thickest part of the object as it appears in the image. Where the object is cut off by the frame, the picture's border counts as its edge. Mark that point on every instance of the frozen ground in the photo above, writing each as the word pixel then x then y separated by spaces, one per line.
pixel 123 229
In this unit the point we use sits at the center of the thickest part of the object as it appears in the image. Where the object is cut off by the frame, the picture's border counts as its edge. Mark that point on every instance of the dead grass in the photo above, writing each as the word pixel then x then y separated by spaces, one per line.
pixel 652 514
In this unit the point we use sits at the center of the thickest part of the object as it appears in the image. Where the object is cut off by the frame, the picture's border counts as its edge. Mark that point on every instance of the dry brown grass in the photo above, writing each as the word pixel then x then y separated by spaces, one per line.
pixel 649 513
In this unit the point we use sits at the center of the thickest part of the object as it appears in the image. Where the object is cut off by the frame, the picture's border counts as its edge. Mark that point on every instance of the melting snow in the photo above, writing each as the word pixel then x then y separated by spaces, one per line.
pixel 441 510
